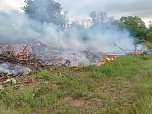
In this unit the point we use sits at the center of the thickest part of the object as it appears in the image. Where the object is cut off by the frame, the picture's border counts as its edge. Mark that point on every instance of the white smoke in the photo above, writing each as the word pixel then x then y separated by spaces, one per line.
pixel 8 5
pixel 17 26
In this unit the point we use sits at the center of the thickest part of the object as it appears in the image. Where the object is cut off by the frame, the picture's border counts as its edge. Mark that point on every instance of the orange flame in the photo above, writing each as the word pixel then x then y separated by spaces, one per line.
pixel 107 58
pixel 24 55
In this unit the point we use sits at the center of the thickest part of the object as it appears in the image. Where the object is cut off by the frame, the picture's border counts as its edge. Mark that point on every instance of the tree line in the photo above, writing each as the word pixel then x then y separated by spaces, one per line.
pixel 49 11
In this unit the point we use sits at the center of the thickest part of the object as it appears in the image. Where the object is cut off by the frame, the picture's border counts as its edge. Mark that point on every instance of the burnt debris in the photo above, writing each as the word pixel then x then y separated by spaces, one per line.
pixel 22 58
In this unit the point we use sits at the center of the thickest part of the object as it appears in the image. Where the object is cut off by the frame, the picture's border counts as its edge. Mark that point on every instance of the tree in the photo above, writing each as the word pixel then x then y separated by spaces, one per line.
pixel 149 33
pixel 101 18
pixel 150 25
pixel 75 29
pixel 98 17
pixel 135 25
pixel 47 11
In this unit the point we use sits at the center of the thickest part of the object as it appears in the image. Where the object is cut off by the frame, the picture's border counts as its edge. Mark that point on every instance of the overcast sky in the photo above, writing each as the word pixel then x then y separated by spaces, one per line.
pixel 81 8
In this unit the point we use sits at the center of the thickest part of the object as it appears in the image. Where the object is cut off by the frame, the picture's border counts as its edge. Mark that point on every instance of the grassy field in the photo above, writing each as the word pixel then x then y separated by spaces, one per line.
pixel 123 86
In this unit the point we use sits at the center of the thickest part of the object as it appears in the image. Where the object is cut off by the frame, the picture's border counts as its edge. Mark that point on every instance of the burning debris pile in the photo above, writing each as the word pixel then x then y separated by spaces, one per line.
pixel 107 58
pixel 19 59
pixel 9 69
pixel 11 64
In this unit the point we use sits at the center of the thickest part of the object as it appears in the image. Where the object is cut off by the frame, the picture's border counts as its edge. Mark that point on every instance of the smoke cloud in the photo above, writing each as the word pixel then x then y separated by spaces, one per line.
pixel 74 42
pixel 8 5
pixel 18 26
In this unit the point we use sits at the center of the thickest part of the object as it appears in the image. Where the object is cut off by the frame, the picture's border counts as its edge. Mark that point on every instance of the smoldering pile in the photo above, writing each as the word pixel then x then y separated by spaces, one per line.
pixel 9 69
pixel 22 58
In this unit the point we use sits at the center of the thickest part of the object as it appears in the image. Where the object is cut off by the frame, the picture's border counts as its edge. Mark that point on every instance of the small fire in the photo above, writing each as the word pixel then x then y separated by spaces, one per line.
pixel 22 53
pixel 107 58
pixel 22 56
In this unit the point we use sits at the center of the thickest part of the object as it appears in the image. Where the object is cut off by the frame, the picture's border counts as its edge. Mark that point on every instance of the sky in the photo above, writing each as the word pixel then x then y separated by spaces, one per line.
pixel 81 8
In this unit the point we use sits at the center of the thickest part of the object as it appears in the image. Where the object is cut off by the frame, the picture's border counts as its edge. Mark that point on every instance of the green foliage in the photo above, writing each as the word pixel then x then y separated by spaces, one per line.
pixel 149 34
pixel 148 44
pixel 119 87
pixel 135 25
pixel 124 66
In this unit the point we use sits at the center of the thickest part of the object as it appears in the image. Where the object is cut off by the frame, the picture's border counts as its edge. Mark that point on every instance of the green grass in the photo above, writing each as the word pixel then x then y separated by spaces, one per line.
pixel 123 86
